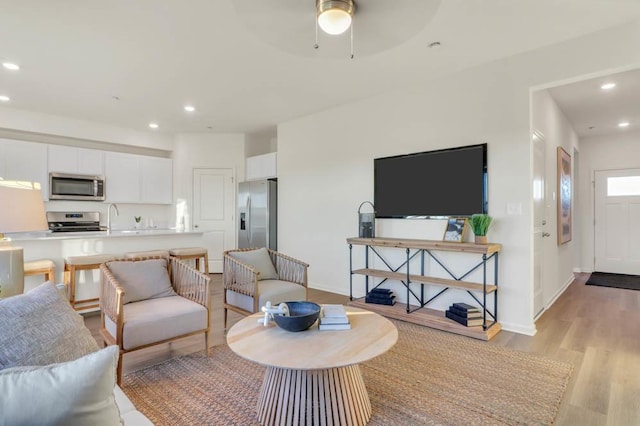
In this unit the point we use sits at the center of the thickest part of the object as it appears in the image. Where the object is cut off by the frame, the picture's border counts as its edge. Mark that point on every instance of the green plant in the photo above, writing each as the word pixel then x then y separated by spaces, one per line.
pixel 138 218
pixel 480 224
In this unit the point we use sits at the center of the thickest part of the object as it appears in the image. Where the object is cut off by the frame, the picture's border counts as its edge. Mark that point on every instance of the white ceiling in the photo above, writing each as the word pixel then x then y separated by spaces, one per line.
pixel 158 55
pixel 596 112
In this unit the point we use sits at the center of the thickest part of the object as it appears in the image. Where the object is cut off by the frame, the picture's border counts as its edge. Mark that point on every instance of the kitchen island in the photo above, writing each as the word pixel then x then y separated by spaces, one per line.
pixel 58 245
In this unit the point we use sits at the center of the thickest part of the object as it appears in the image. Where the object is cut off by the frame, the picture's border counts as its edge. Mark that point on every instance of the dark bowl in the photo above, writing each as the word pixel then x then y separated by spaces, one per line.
pixel 302 315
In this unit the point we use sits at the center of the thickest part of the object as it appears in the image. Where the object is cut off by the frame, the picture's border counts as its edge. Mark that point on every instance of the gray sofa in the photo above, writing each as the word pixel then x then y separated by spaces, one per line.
pixel 52 371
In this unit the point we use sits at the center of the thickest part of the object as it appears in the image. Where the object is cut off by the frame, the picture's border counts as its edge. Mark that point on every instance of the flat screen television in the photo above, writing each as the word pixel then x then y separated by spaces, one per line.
pixel 447 182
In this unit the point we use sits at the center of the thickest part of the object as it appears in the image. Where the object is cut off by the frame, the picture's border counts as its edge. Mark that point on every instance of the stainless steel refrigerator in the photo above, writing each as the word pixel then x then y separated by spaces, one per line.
pixel 257 214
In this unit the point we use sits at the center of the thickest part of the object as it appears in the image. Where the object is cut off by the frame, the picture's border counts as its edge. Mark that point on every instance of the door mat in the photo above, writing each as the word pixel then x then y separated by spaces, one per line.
pixel 605 279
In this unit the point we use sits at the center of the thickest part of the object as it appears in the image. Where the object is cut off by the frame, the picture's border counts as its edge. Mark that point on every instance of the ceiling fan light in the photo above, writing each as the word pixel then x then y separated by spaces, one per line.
pixel 334 17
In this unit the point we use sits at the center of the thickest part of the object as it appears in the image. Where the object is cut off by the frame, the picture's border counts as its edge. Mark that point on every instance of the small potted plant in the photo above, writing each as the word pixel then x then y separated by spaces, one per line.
pixel 137 219
pixel 480 225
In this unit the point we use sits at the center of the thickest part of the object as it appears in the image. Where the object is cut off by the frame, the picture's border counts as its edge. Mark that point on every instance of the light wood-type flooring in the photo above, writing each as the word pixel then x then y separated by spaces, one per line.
pixel 597 329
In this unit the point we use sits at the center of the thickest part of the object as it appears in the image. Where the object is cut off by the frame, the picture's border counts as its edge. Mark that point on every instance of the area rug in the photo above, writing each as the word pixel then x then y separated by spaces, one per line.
pixel 428 377
pixel 604 279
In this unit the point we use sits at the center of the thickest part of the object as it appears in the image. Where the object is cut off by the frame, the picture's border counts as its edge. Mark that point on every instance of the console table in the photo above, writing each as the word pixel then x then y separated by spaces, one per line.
pixel 422 250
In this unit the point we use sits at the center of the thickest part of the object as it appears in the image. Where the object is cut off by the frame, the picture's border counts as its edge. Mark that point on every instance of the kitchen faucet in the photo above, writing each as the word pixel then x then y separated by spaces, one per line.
pixel 115 207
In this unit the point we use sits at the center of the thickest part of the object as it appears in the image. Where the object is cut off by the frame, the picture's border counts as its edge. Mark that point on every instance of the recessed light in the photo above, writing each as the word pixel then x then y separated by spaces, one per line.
pixel 608 86
pixel 153 125
pixel 11 66
pixel 189 108
pixel 623 124
pixel 4 98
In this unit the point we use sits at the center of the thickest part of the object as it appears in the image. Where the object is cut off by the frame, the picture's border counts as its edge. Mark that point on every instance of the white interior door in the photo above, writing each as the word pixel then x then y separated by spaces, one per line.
pixel 539 220
pixel 617 214
pixel 213 212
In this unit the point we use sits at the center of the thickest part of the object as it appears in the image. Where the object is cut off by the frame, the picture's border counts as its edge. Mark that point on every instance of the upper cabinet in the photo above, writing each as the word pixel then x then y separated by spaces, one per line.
pixel 138 179
pixel 68 159
pixel 24 161
pixel 262 167
pixel 157 180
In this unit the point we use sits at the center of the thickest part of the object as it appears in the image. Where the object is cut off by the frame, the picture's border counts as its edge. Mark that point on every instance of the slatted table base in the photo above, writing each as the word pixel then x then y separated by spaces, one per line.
pixel 314 397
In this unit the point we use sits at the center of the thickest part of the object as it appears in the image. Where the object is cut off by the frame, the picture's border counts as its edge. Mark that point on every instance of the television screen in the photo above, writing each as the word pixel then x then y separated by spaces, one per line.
pixel 448 182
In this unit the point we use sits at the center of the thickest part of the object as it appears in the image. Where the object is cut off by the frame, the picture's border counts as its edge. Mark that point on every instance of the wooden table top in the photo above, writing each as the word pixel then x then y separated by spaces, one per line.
pixel 370 335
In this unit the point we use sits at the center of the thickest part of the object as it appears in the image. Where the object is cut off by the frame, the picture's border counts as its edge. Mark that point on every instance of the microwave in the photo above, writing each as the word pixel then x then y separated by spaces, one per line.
pixel 65 186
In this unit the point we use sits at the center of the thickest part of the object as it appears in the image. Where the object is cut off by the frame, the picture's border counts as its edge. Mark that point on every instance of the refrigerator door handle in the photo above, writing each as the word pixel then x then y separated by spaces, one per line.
pixel 248 210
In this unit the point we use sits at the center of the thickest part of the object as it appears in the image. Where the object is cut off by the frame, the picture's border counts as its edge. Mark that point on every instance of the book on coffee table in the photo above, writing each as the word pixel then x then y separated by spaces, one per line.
pixel 334 317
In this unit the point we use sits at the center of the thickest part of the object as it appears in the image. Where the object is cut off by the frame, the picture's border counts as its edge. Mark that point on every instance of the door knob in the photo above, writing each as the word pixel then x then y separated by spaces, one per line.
pixel 195 226
pixel 546 234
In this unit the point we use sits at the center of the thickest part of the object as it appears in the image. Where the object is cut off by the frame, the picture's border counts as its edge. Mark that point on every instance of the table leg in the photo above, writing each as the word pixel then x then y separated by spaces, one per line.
pixel 314 397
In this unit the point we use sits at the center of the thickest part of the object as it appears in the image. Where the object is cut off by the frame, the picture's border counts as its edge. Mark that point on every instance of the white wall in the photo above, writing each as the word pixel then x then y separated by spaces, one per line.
pixel 558 260
pixel 621 151
pixel 325 160
pixel 204 150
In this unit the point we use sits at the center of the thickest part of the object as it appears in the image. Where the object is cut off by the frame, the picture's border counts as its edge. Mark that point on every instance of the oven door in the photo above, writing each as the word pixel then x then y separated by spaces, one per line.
pixel 76 187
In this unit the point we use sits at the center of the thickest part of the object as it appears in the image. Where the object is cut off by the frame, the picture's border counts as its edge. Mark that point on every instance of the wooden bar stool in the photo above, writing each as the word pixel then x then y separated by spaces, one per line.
pixel 72 265
pixel 196 253
pixel 44 267
pixel 148 253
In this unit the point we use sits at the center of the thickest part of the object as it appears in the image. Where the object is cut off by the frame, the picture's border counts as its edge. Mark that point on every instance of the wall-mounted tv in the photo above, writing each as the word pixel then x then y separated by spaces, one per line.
pixel 447 182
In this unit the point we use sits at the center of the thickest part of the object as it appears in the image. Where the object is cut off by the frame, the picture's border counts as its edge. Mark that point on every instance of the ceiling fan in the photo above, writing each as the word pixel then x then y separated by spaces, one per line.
pixel 297 26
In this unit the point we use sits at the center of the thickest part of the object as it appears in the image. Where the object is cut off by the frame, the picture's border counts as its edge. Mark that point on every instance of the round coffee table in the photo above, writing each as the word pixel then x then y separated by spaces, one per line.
pixel 313 376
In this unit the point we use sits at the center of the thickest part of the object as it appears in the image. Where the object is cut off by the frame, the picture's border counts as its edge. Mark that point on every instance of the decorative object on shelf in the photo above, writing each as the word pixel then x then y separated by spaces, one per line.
pixel 367 222
pixel 22 211
pixel 480 225
pixel 381 296
pixel 564 196
pixel 302 315
pixel 456 227
pixel 138 219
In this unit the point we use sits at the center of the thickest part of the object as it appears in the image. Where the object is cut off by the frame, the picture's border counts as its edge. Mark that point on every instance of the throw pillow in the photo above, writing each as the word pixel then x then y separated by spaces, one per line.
pixel 143 279
pixel 77 392
pixel 40 328
pixel 259 260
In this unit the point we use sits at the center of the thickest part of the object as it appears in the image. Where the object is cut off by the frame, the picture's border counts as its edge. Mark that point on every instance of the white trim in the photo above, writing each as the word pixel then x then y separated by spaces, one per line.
pixel 517 328
pixel 562 289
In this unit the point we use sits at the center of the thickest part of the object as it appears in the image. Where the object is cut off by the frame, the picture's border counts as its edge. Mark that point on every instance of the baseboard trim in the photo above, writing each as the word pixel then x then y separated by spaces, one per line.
pixel 562 289
pixel 520 329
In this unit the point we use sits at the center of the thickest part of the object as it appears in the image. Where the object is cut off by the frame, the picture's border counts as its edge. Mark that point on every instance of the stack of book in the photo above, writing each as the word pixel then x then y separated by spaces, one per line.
pixel 381 296
pixel 333 317
pixel 464 314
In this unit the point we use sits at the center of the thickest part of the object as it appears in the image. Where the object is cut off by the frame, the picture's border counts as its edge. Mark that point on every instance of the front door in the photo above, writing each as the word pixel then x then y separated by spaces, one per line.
pixel 213 212
pixel 617 215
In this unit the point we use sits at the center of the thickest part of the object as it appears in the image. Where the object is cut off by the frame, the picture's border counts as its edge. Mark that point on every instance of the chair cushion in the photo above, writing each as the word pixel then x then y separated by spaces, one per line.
pixel 78 392
pixel 260 260
pixel 40 328
pixel 143 279
pixel 154 320
pixel 274 291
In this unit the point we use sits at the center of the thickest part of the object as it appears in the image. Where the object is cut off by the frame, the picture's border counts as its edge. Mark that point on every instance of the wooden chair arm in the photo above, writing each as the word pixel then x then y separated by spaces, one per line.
pixel 239 277
pixel 190 283
pixel 289 269
pixel 111 297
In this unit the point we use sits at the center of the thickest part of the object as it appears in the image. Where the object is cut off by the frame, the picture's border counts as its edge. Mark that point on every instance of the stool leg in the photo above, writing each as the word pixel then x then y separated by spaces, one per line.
pixel 72 285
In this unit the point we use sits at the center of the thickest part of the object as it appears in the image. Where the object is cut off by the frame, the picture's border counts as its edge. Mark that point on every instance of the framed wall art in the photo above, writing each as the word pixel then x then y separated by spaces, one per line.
pixel 456 227
pixel 565 192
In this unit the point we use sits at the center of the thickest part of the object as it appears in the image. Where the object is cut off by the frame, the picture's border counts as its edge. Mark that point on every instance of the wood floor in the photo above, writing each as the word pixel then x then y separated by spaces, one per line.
pixel 597 329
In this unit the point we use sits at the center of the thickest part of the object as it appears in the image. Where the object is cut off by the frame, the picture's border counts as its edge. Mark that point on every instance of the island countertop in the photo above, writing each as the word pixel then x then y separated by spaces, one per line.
pixel 115 233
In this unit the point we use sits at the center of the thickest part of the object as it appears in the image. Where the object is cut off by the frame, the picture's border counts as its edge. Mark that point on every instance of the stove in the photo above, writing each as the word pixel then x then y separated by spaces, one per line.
pixel 74 221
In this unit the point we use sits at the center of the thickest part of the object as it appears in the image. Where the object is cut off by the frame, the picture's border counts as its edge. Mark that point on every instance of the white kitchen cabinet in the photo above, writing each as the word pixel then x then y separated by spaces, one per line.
pixel 133 178
pixel 25 161
pixel 69 159
pixel 122 177
pixel 261 166
pixel 157 180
